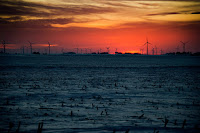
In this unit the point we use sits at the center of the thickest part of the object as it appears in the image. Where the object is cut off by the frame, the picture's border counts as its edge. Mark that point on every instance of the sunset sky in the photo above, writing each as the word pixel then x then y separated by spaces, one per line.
pixel 95 24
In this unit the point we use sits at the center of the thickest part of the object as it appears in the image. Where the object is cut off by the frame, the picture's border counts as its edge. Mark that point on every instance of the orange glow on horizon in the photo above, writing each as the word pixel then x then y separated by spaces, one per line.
pixel 132 52
pixel 47 45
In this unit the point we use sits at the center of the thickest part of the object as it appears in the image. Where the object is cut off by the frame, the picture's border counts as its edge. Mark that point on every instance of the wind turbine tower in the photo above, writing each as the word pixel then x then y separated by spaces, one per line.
pixel 147 43
pixel 77 50
pixel 161 52
pixel 4 46
pixel 108 49
pixel 49 48
pixel 62 50
pixel 22 49
pixel 30 46
pixel 184 43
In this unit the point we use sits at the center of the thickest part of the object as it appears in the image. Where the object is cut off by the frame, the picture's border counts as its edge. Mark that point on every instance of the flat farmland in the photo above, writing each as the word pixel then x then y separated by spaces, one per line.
pixel 100 93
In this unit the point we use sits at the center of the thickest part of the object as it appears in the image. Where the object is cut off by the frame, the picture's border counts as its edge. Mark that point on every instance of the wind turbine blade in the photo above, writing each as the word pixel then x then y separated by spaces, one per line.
pixel 182 42
pixel 149 43
pixel 145 44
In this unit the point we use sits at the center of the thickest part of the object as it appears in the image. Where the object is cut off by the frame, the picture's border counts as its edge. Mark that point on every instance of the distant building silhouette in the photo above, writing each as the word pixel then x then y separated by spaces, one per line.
pixel 118 52
pixel 69 53
pixel 104 53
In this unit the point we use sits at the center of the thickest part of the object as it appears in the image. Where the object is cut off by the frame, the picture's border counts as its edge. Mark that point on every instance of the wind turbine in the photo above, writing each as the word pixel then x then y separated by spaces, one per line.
pixel 4 46
pixel 161 52
pixel 77 50
pixel 62 50
pixel 23 49
pixel 30 46
pixel 49 48
pixel 147 43
pixel 90 51
pixel 108 49
pixel 184 43
pixel 152 51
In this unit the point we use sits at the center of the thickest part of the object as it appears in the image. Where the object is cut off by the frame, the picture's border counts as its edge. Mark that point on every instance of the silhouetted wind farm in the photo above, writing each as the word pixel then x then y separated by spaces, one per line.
pixel 79 50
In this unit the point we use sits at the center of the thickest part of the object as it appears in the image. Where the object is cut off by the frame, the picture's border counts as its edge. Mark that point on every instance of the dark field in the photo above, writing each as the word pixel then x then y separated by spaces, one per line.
pixel 100 93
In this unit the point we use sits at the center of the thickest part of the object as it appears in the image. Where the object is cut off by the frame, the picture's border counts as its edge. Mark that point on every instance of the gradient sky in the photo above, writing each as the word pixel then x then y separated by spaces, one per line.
pixel 95 24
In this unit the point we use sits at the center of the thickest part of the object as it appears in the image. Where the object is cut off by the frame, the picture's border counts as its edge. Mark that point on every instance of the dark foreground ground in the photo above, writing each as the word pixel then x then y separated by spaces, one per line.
pixel 100 93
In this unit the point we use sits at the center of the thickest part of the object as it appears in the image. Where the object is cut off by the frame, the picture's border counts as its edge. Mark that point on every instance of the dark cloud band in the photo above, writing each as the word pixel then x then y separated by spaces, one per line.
pixel 8 7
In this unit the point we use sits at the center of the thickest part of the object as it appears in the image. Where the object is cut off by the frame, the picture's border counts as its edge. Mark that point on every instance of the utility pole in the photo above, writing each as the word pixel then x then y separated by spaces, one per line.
pixel 4 46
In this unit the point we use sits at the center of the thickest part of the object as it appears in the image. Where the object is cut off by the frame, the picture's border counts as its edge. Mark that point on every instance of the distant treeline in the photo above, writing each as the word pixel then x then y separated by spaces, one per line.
pixel 184 53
